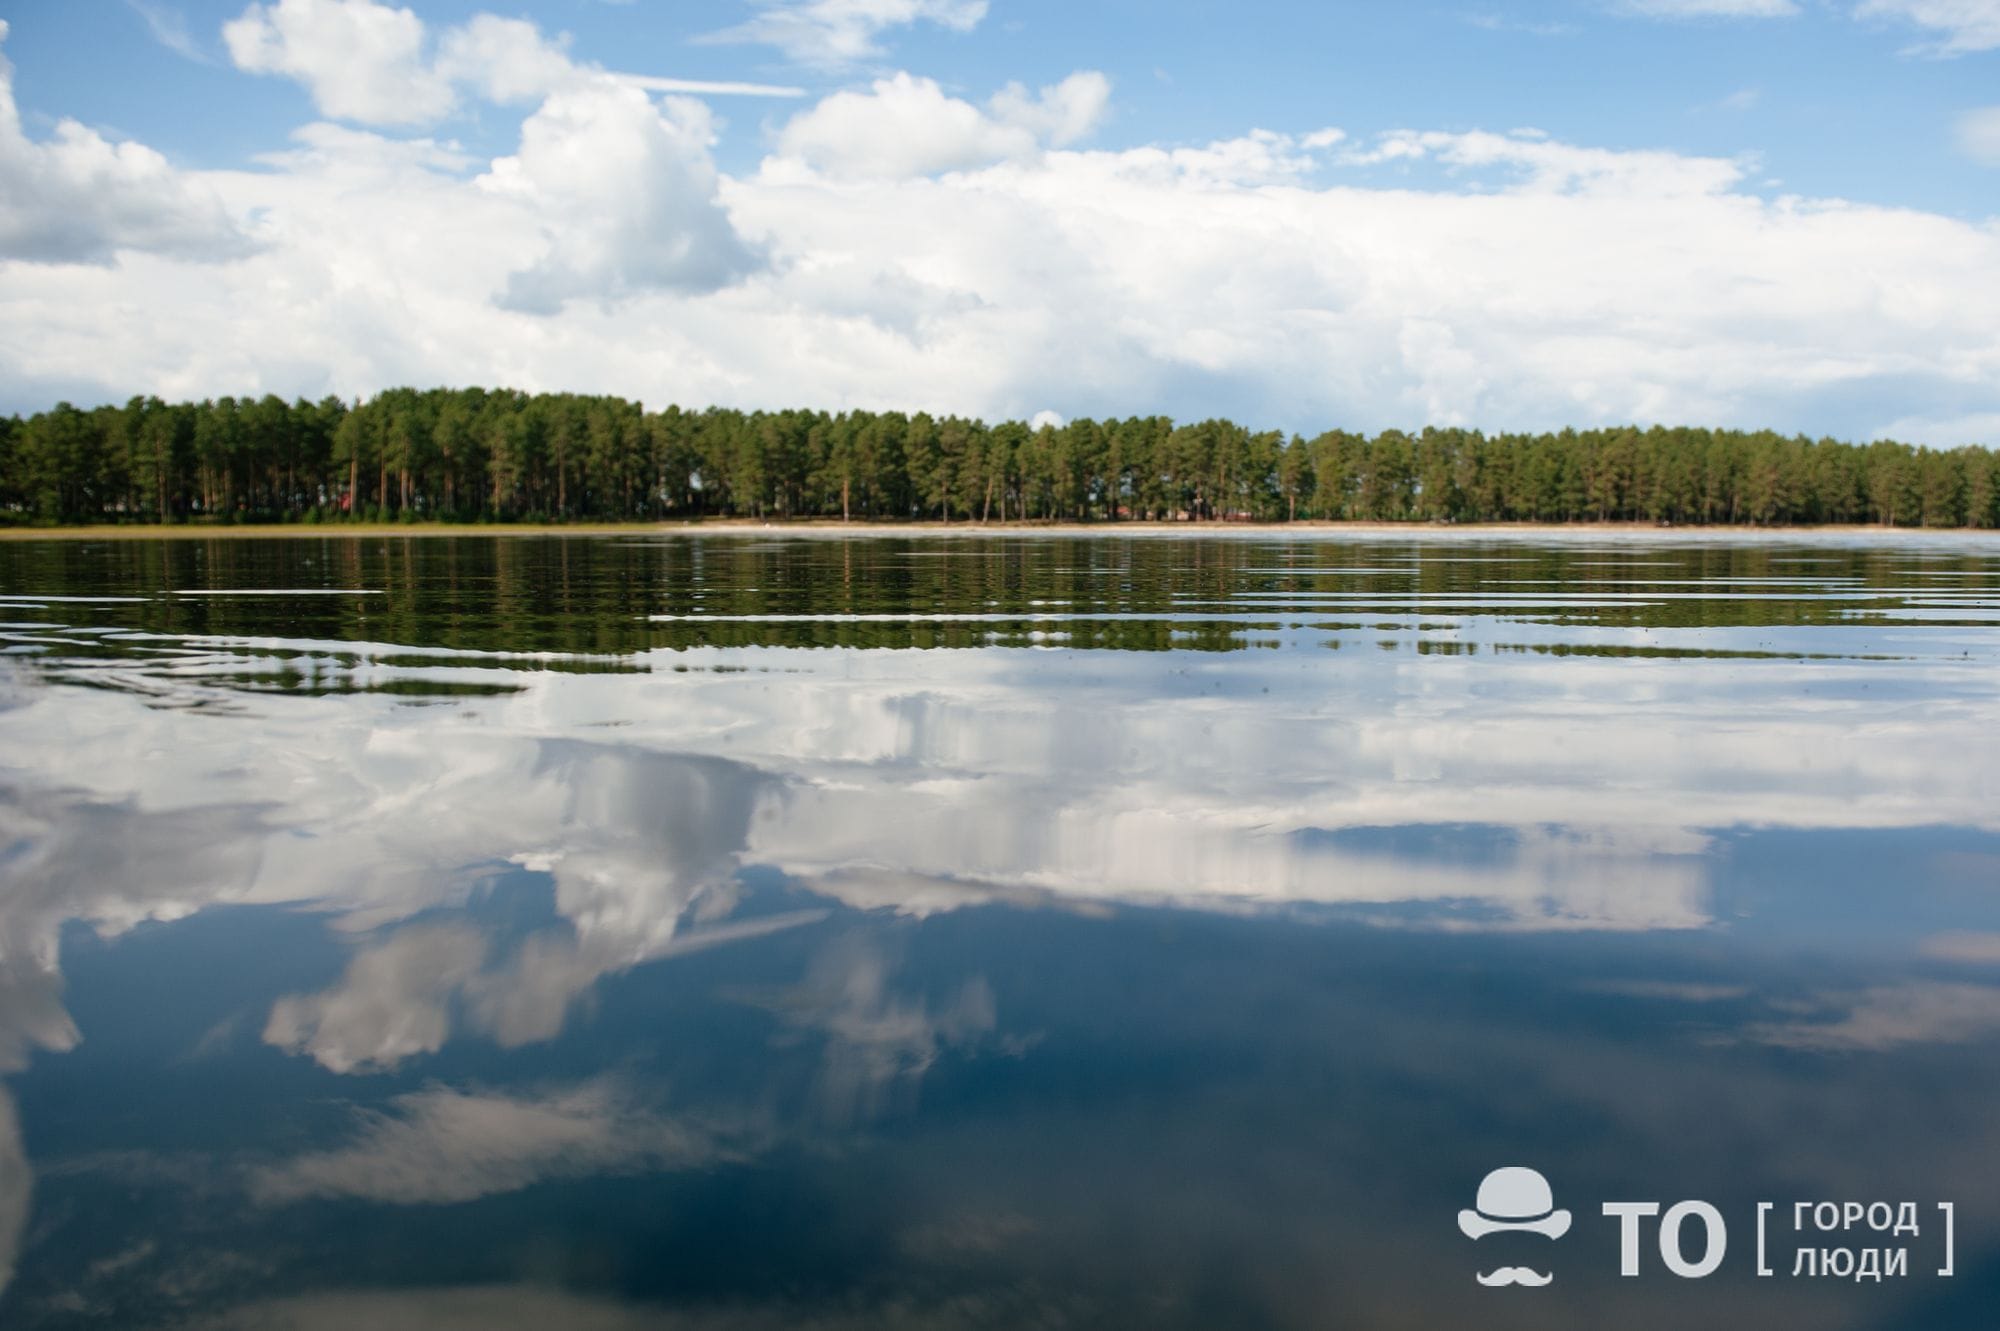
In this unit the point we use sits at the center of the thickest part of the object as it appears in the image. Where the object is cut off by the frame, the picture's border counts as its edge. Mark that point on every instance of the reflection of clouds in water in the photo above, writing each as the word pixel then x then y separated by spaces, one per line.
pixel 1079 774
pixel 877 1043
pixel 1889 1017
pixel 443 1145
pixel 66 855
pixel 632 839
pixel 1969 948
pixel 1011 836
pixel 399 996
pixel 920 781
pixel 392 1002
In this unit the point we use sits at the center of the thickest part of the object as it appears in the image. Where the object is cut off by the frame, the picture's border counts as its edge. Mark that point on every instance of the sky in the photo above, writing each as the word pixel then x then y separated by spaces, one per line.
pixel 1774 214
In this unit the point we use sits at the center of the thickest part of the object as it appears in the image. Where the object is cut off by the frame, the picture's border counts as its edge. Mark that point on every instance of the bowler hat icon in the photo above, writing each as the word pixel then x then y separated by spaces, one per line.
pixel 1514 1198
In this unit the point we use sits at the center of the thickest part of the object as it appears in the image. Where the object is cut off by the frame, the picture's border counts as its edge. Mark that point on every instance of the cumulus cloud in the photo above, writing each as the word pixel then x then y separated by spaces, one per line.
pixel 908 126
pixel 443 1145
pixel 80 198
pixel 842 32
pixel 1959 27
pixel 505 59
pixel 359 60
pixel 624 194
pixel 1979 135
pixel 612 192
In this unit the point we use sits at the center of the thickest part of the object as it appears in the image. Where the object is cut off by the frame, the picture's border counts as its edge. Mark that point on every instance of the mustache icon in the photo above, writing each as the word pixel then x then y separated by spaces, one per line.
pixel 1514 1275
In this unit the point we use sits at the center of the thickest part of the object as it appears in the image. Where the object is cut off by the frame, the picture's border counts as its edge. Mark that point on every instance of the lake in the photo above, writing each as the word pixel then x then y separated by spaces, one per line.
pixel 969 930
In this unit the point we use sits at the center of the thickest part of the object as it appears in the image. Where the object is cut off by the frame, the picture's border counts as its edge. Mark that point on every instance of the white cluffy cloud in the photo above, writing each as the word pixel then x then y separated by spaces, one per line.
pixel 832 33
pixel 611 192
pixel 79 198
pixel 360 60
pixel 907 126
pixel 624 193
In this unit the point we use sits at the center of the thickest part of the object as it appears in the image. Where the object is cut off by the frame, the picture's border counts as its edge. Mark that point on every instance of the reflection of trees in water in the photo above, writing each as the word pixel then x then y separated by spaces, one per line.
pixel 593 602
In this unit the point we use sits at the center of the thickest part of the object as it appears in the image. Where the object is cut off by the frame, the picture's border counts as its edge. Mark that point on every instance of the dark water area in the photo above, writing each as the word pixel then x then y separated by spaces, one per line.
pixel 961 931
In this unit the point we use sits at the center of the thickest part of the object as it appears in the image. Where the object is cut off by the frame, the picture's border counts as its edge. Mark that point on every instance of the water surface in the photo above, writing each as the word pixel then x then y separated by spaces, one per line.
pixel 741 932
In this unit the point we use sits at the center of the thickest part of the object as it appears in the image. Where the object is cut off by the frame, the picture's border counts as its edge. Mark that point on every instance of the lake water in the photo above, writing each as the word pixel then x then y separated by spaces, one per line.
pixel 995 931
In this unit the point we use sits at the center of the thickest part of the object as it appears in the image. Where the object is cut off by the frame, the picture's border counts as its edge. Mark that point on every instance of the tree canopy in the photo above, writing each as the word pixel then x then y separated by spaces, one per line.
pixel 495 454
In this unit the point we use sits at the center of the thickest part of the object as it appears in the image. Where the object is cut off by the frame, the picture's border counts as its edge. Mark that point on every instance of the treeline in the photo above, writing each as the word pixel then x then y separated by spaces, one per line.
pixel 486 455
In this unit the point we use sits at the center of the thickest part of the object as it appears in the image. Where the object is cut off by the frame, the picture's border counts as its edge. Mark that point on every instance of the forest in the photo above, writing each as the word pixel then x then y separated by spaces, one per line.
pixel 481 455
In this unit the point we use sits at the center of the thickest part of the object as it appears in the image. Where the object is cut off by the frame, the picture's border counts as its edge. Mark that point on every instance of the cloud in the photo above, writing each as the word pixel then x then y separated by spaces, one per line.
pixel 612 193
pixel 1713 8
pixel 1538 164
pixel 907 126
pixel 1061 114
pixel 506 60
pixel 169 28
pixel 359 60
pixel 1961 26
pixel 1978 134
pixel 80 198
pixel 833 33
pixel 625 196
pixel 442 1145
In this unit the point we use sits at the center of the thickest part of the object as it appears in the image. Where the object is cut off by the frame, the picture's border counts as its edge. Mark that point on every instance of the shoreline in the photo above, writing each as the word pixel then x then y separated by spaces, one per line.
pixel 825 527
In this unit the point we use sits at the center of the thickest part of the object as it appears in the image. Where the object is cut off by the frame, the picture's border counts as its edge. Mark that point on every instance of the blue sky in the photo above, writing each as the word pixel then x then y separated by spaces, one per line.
pixel 1502 215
